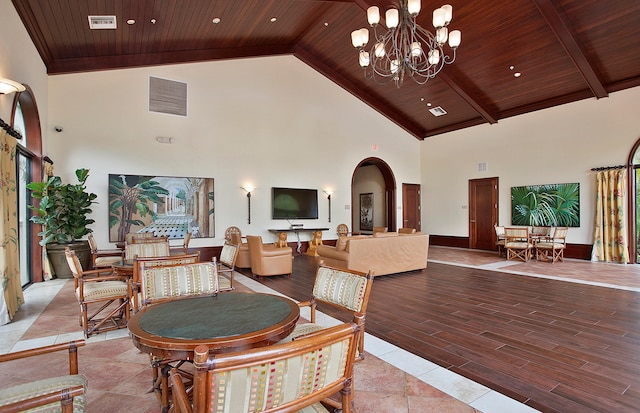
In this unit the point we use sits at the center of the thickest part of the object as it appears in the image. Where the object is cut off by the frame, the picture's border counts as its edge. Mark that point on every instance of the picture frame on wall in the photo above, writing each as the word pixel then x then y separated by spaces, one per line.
pixel 366 212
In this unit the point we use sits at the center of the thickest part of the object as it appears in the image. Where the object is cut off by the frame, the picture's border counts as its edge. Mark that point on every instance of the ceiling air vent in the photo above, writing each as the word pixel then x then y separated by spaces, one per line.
pixel 437 111
pixel 102 22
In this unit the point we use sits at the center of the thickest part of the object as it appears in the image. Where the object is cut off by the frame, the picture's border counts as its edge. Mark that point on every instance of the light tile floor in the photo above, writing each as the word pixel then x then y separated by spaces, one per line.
pixel 476 396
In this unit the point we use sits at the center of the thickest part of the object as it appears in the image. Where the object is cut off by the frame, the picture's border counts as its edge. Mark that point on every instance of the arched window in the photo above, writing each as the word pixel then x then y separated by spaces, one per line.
pixel 634 202
pixel 26 120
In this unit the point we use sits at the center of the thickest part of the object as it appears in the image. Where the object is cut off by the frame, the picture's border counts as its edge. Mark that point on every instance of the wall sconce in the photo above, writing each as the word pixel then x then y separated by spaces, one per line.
pixel 9 86
pixel 329 193
pixel 248 189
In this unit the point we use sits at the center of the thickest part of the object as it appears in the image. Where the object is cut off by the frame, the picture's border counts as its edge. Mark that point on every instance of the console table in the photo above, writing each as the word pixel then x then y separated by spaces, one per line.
pixel 297 231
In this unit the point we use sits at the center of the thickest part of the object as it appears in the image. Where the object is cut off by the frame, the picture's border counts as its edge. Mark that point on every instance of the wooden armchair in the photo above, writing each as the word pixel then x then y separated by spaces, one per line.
pixel 517 243
pixel 147 249
pixel 64 394
pixel 185 244
pixel 102 288
pixel 226 266
pixel 499 238
pixel 342 230
pixel 129 238
pixel 552 248
pixel 103 258
pixel 284 377
pixel 341 288
pixel 269 260
pixel 141 263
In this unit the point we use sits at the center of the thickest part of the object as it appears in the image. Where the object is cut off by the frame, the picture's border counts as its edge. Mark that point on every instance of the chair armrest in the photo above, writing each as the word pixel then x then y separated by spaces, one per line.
pixel 113 277
pixel 64 396
pixel 71 346
pixel 108 253
pixel 276 252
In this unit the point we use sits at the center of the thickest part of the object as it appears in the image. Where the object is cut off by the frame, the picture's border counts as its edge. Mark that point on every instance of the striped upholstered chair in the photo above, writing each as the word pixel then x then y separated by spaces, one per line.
pixel 345 289
pixel 294 376
pixel 147 249
pixel 64 393
pixel 226 266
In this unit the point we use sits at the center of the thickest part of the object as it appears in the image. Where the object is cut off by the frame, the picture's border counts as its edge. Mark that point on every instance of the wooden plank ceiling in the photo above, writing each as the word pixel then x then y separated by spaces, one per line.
pixel 566 50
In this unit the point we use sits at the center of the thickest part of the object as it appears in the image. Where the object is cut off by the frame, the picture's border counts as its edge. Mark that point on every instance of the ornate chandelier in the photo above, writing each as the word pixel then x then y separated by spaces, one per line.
pixel 406 48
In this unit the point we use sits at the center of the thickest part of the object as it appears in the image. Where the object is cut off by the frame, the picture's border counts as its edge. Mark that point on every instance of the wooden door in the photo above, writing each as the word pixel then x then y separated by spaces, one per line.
pixel 411 206
pixel 483 213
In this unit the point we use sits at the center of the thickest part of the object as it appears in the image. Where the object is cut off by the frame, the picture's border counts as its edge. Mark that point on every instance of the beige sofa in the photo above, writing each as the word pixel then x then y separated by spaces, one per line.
pixel 384 253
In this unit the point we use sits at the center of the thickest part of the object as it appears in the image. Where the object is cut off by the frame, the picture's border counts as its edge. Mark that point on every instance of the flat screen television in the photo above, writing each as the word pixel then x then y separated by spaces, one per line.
pixel 293 203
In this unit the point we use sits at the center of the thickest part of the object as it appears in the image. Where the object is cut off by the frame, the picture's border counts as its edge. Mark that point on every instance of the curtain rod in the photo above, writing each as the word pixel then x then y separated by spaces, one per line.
pixel 606 168
pixel 10 130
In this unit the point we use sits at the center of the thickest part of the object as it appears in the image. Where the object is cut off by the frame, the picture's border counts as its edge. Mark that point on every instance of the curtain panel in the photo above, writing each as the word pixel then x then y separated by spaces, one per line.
pixel 610 235
pixel 9 262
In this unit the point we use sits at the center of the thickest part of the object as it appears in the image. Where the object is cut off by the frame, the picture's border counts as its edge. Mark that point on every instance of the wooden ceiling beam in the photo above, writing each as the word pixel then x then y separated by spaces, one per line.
pixel 570 45
pixel 487 114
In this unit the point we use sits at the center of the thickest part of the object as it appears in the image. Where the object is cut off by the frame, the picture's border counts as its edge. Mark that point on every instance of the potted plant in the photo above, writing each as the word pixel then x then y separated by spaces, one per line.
pixel 62 212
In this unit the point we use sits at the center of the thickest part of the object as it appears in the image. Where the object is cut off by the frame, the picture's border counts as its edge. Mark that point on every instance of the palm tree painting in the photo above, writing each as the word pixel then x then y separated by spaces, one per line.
pixel 556 205
pixel 166 206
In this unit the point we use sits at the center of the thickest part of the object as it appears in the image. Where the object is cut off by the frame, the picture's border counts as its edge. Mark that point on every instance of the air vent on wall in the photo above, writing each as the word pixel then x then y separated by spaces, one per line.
pixel 102 22
pixel 437 111
pixel 167 96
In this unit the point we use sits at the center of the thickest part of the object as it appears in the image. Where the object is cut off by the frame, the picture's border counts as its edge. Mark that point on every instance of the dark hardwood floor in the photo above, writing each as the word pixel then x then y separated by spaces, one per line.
pixel 553 345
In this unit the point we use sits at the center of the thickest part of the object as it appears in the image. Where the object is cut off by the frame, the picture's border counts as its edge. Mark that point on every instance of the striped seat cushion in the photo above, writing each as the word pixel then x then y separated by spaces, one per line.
pixel 341 288
pixel 180 280
pixel 41 387
pixel 150 249
pixel 103 290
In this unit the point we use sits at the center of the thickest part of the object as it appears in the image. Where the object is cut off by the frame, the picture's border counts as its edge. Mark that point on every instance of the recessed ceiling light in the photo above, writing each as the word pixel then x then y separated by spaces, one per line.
pixel 517 74
pixel 273 19
pixel 216 20
pixel 153 21
pixel 326 24
pixel 131 21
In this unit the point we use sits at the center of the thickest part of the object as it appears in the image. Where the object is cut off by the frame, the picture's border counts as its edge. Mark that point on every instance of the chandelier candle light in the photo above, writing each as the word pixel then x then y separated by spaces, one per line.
pixel 406 48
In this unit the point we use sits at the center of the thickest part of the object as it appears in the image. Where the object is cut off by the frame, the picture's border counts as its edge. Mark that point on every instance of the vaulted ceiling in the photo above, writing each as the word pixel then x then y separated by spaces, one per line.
pixel 565 50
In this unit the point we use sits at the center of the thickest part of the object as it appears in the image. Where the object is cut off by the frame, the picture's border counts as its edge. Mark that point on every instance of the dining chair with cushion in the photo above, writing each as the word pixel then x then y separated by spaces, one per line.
pixel 185 244
pixel 341 288
pixel 379 229
pixel 517 243
pixel 552 248
pixel 298 376
pixel 100 288
pixel 499 229
pixel 141 263
pixel 147 249
pixel 227 266
pixel 129 237
pixel 103 258
pixel 267 260
pixel 144 240
pixel 64 393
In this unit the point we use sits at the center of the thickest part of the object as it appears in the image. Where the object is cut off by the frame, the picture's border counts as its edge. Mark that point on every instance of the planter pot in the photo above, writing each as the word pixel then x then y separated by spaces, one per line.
pixel 58 261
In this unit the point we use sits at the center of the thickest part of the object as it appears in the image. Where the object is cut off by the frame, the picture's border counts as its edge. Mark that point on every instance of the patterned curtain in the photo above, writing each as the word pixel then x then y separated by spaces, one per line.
pixel 9 262
pixel 610 235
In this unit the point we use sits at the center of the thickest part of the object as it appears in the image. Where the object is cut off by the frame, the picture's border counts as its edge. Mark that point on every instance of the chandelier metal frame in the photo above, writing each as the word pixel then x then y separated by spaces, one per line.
pixel 405 49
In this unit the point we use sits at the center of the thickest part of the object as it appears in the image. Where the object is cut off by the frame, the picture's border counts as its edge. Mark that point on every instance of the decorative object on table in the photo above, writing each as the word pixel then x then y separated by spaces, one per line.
pixel 248 189
pixel 281 242
pixel 366 212
pixel 62 212
pixel 406 49
pixel 275 377
pixel 552 205
pixel 62 393
pixel 313 244
pixel 163 205
pixel 100 288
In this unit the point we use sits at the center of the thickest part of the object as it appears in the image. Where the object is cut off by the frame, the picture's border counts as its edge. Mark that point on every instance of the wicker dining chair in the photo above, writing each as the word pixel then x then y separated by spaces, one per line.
pixel 518 244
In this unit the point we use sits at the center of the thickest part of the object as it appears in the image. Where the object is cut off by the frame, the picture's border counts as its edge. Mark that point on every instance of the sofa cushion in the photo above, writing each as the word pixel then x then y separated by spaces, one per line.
pixel 384 234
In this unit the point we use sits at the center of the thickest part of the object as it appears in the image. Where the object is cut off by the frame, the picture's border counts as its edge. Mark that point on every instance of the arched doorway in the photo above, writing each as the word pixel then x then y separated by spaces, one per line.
pixel 374 176
pixel 633 180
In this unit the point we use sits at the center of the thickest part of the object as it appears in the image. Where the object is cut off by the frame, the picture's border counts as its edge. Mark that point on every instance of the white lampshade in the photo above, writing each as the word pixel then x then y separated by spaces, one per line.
pixel 355 38
pixel 9 86
pixel 439 17
pixel 364 36
pixel 414 7
pixel 392 18
pixel 394 66
pixel 434 57
pixel 441 35
pixel 454 38
pixel 379 50
pixel 416 49
pixel 373 15
pixel 448 13
pixel 363 59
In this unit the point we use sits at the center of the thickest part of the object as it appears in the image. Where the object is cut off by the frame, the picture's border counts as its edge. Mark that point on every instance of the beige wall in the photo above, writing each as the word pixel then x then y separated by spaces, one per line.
pixel 557 145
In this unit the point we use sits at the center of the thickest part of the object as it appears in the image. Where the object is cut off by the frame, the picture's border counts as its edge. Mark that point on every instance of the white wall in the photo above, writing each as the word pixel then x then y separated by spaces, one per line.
pixel 266 122
pixel 557 145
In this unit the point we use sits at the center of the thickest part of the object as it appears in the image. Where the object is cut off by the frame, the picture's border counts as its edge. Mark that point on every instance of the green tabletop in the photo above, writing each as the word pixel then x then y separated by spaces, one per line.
pixel 228 314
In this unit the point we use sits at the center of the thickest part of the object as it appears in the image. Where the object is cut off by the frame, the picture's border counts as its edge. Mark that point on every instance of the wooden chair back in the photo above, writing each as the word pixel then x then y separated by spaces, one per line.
pixel 178 281
pixel 147 249
pixel 227 265
pixel 233 235
pixel 144 240
pixel 406 230
pixel 277 378
pixel 129 237
pixel 379 229
pixel 342 230
pixel 517 243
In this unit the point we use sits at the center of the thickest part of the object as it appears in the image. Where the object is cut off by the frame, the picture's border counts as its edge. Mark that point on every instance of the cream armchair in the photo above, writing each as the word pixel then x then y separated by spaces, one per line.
pixel 267 259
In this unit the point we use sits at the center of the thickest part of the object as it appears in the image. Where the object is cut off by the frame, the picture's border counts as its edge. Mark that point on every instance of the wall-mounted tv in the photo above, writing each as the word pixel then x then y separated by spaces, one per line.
pixel 293 203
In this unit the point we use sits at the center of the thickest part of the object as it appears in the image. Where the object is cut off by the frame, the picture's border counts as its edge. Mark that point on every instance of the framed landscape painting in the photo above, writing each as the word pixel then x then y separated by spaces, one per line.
pixel 556 205
pixel 165 205
pixel 366 212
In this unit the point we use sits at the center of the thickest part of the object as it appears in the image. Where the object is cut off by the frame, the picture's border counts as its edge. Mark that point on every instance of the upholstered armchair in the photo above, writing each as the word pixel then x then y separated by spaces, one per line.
pixel 227 266
pixel 284 377
pixel 269 260
pixel 64 393
pixel 147 249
